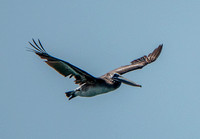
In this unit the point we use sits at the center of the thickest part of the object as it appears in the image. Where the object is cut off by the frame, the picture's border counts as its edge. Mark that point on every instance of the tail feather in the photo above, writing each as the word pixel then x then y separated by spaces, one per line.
pixel 70 94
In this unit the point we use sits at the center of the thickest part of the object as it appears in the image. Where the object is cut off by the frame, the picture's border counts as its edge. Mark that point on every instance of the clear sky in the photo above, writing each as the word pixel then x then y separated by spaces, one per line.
pixel 98 36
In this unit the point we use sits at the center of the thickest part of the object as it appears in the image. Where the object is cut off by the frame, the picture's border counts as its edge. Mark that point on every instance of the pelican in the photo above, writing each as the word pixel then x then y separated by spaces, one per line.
pixel 89 85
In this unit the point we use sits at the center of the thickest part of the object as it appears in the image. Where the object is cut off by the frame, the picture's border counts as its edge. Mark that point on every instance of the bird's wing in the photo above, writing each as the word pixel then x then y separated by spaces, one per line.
pixel 62 67
pixel 140 62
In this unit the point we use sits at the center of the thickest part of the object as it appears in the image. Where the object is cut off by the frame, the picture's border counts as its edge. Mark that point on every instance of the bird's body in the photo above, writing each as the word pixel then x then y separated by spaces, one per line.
pixel 89 85
pixel 100 87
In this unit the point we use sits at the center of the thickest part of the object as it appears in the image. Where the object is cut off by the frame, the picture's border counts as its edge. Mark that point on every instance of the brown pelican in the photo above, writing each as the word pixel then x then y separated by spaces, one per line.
pixel 89 85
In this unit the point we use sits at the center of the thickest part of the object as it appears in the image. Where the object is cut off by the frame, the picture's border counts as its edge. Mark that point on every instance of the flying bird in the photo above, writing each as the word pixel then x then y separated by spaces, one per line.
pixel 89 85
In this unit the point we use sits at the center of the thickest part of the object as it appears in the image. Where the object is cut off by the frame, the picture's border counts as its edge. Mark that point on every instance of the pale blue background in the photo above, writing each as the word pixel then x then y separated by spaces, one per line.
pixel 98 36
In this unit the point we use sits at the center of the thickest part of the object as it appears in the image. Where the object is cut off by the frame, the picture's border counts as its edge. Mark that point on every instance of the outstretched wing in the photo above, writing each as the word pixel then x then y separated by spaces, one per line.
pixel 62 67
pixel 140 62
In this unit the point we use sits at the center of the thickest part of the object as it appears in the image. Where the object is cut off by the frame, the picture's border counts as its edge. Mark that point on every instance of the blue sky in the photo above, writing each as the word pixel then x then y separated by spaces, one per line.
pixel 99 36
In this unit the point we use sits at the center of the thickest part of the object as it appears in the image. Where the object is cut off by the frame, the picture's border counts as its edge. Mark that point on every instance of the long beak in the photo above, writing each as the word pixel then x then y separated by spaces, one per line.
pixel 126 81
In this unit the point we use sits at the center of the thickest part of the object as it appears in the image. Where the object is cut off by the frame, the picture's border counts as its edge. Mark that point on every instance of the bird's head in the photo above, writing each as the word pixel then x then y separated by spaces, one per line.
pixel 119 78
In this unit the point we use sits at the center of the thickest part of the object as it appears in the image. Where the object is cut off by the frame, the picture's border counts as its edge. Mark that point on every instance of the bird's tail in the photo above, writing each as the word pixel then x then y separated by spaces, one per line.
pixel 70 94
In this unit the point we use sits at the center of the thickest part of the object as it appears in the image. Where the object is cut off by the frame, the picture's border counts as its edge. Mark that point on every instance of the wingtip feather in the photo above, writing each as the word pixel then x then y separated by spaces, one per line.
pixel 155 54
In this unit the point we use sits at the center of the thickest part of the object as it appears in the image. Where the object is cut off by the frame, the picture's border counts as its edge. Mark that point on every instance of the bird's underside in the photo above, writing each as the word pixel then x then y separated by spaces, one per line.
pixel 89 85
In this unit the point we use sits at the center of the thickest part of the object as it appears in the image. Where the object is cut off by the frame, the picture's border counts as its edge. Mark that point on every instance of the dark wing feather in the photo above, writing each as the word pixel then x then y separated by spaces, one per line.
pixel 62 67
pixel 140 62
